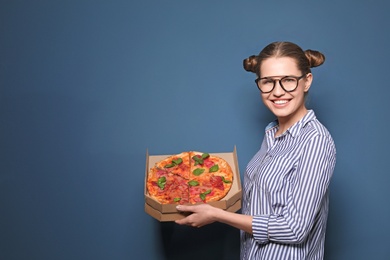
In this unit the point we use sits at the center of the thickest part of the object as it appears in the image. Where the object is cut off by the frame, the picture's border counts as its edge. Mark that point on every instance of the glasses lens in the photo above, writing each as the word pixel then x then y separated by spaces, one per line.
pixel 289 83
pixel 266 85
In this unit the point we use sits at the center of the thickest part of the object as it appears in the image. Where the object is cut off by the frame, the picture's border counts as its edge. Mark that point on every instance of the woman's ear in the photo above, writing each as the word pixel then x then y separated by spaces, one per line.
pixel 308 81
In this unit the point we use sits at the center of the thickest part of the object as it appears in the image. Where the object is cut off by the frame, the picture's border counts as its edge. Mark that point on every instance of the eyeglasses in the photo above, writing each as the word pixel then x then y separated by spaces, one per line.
pixel 288 83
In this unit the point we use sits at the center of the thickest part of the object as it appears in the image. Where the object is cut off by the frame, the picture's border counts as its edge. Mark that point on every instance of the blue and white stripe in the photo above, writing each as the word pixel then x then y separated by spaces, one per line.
pixel 285 189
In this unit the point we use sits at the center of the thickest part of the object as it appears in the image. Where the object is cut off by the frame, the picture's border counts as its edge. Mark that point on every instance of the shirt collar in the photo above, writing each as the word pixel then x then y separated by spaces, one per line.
pixel 295 128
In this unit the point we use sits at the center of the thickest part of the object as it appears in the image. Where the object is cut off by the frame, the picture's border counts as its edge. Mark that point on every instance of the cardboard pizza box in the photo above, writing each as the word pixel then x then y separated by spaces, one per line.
pixel 168 212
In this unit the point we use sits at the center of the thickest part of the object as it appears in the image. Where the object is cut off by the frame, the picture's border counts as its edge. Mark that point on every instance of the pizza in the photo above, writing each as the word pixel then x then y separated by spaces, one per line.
pixel 189 178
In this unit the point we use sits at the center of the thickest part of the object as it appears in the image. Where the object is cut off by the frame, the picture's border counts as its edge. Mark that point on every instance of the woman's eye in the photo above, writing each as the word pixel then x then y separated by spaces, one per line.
pixel 267 81
pixel 289 80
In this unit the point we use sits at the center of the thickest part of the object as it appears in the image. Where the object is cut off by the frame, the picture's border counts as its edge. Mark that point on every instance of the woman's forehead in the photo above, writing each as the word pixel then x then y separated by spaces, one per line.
pixel 278 66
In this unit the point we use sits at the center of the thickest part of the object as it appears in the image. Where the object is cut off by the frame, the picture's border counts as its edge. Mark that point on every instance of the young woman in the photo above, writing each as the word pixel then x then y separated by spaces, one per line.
pixel 285 187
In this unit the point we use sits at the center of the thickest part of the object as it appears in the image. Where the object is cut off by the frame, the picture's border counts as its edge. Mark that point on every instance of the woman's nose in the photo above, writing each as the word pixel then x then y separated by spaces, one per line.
pixel 278 89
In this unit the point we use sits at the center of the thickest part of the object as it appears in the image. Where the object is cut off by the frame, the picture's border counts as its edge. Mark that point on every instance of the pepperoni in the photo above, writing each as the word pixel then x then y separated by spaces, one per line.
pixel 197 199
pixel 182 201
pixel 208 163
pixel 194 190
pixel 183 166
pixel 161 172
pixel 216 182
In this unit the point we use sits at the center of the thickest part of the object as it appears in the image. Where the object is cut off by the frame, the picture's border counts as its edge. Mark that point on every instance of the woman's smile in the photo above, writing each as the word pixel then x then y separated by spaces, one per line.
pixel 280 102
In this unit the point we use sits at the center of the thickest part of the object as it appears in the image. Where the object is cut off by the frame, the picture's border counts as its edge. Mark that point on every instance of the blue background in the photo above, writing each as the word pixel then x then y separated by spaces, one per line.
pixel 87 86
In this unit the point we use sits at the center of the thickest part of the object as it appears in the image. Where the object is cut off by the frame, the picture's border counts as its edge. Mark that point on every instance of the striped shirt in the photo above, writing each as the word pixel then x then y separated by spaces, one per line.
pixel 285 189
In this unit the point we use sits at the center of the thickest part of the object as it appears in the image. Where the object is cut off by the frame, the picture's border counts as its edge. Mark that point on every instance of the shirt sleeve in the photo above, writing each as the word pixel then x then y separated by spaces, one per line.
pixel 313 173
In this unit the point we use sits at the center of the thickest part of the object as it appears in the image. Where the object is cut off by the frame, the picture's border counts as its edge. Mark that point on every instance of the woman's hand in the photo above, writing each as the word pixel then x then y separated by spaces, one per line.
pixel 202 214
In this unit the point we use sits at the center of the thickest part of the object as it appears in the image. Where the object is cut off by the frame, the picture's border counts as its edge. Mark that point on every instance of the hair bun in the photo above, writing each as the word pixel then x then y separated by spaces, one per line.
pixel 250 64
pixel 315 58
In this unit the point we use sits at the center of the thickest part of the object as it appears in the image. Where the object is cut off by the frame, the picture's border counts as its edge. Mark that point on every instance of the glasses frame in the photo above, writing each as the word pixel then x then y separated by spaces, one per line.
pixel 280 83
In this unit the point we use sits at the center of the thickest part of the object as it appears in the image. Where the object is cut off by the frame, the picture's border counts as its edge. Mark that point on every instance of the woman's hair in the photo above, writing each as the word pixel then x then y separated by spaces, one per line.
pixel 305 59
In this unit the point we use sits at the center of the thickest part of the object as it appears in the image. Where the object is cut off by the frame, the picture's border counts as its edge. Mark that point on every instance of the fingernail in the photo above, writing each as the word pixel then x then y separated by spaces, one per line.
pixel 178 207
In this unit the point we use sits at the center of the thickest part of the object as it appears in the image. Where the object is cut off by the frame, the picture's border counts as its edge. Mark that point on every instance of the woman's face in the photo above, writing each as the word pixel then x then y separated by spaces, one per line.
pixel 286 106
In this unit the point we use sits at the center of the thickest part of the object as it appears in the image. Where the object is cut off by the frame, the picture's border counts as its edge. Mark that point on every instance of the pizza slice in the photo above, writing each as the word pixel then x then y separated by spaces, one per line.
pixel 178 164
pixel 199 189
pixel 221 168
pixel 211 177
pixel 200 163
pixel 204 163
pixel 208 188
pixel 167 188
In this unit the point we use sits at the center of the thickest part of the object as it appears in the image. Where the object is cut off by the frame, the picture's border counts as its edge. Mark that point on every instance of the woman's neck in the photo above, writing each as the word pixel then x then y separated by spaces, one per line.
pixel 286 122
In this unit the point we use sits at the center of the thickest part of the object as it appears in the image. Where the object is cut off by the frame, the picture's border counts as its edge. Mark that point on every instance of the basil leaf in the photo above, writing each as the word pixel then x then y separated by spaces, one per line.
pixel 161 182
pixel 205 155
pixel 193 183
pixel 197 160
pixel 203 195
pixel 178 161
pixel 176 199
pixel 214 168
pixel 198 171
pixel 174 163
pixel 225 181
